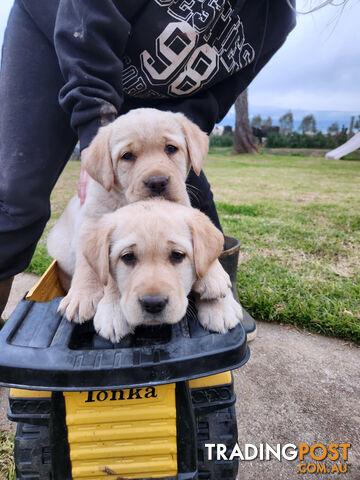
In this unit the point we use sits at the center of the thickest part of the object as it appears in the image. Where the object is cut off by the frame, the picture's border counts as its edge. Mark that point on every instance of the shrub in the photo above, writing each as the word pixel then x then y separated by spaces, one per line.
pixel 221 141
pixel 302 140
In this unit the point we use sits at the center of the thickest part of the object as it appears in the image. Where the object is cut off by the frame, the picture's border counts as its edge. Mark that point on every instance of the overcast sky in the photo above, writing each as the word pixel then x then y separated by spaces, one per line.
pixel 318 68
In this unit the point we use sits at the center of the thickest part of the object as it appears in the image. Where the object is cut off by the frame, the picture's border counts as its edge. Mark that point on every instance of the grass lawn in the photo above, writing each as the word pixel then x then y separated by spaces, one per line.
pixel 298 219
pixel 7 468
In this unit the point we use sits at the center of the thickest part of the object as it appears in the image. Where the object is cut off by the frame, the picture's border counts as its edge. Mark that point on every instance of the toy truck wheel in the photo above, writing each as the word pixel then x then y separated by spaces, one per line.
pixel 218 426
pixel 32 452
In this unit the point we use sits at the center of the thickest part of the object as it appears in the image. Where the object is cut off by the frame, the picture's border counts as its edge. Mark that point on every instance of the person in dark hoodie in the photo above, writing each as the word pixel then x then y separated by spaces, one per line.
pixel 70 66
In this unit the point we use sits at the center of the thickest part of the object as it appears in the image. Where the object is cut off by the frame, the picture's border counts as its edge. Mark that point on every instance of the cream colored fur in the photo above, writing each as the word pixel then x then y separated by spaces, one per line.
pixel 174 228
pixel 117 181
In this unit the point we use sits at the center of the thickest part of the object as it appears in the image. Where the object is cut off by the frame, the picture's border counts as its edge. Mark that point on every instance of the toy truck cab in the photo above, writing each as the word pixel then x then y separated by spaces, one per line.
pixel 143 408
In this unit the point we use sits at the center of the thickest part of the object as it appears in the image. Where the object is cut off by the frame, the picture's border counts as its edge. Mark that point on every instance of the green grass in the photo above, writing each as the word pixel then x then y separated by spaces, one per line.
pixel 7 467
pixel 298 220
pixel 299 224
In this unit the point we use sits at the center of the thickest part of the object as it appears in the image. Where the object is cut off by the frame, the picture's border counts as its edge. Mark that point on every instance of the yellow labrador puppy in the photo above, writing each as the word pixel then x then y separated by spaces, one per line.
pixel 148 256
pixel 142 154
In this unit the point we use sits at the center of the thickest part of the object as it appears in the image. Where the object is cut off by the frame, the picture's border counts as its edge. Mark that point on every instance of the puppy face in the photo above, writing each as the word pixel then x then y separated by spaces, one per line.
pixel 148 248
pixel 147 153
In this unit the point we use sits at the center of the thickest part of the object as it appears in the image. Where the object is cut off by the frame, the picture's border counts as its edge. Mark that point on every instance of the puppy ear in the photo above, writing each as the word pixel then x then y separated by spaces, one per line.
pixel 197 142
pixel 208 242
pixel 95 249
pixel 97 159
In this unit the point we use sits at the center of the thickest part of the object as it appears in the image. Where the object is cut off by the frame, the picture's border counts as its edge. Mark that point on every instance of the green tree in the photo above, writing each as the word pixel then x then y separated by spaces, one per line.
pixel 256 121
pixel 308 124
pixel 267 122
pixel 334 128
pixel 286 123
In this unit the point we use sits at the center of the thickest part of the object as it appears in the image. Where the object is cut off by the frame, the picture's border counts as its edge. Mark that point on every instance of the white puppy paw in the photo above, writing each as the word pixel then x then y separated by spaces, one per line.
pixel 80 305
pixel 219 315
pixel 109 320
pixel 215 284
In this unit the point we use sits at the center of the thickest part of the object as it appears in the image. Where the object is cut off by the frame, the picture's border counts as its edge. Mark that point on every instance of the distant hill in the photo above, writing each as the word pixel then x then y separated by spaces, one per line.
pixel 323 118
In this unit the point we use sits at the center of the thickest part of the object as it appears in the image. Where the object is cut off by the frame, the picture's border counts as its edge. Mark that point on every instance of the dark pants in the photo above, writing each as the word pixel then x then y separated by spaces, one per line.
pixel 36 141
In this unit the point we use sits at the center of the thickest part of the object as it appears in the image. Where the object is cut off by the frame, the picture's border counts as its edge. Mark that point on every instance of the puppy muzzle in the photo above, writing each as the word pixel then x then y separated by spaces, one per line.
pixel 153 304
pixel 157 185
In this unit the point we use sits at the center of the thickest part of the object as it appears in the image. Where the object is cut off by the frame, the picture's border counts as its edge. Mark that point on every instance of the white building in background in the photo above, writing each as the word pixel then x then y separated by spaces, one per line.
pixel 217 131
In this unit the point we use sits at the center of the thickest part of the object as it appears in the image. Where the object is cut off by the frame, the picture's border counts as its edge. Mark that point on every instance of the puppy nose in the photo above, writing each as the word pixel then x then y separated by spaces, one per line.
pixel 153 303
pixel 157 184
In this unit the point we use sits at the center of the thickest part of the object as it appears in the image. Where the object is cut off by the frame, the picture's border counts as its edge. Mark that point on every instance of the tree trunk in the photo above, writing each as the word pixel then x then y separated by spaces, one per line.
pixel 351 129
pixel 244 141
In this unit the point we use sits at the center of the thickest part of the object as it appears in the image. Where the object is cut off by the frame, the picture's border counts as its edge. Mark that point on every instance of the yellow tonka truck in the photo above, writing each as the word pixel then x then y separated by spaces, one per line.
pixel 144 408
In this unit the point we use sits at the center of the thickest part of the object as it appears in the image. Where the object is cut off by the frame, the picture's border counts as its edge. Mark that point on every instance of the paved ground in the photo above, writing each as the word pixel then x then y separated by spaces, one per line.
pixel 296 388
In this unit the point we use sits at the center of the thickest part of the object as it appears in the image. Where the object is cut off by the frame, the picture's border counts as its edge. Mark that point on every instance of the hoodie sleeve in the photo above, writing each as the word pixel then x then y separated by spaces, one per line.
pixel 90 39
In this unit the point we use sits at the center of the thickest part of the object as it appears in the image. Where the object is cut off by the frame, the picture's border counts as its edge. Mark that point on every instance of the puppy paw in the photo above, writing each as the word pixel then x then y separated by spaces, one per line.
pixel 80 305
pixel 215 284
pixel 219 315
pixel 109 320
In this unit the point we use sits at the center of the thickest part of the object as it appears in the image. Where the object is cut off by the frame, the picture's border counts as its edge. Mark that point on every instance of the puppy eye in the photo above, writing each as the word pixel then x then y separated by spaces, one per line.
pixel 170 149
pixel 129 258
pixel 128 156
pixel 177 257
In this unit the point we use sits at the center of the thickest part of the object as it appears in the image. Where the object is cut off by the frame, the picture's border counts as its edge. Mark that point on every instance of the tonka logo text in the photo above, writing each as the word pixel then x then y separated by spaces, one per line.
pixel 116 395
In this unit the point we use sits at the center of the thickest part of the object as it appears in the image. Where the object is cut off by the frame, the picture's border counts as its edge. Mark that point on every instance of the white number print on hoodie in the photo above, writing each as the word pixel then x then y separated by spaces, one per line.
pixel 202 42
